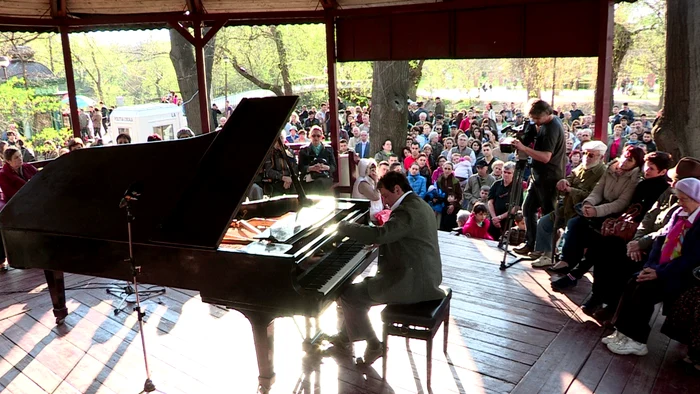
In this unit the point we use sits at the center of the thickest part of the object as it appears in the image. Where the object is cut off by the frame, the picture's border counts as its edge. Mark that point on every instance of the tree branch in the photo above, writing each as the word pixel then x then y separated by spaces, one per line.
pixel 252 78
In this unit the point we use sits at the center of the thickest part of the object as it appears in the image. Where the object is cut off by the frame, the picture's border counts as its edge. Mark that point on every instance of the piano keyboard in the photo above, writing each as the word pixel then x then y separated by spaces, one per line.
pixel 333 268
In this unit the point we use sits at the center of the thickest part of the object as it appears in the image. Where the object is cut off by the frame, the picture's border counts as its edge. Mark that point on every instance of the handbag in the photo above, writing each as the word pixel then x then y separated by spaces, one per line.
pixel 624 226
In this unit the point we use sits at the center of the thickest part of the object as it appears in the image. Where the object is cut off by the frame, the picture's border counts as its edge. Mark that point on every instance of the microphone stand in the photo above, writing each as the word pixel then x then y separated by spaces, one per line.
pixel 148 386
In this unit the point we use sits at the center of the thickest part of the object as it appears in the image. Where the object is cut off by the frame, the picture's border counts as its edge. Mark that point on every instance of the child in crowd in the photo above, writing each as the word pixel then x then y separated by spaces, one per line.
pixel 416 180
pixel 463 169
pixel 517 232
pixel 484 194
pixel 478 223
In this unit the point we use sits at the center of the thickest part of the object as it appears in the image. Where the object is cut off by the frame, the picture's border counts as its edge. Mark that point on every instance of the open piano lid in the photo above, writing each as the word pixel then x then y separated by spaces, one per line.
pixel 192 188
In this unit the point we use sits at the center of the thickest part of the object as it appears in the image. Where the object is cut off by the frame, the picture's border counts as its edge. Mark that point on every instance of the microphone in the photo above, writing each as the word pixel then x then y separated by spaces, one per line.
pixel 132 193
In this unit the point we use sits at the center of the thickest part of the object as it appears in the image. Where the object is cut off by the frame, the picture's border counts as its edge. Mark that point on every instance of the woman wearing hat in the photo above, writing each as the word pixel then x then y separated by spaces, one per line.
pixel 667 274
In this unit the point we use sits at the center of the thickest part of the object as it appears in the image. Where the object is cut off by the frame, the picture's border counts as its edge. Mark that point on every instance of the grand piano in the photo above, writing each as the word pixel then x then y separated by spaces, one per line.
pixel 193 228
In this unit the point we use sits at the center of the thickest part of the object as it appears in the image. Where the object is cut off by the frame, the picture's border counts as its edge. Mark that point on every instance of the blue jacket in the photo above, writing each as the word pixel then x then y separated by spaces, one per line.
pixel 418 184
pixel 676 275
pixel 438 194
pixel 358 151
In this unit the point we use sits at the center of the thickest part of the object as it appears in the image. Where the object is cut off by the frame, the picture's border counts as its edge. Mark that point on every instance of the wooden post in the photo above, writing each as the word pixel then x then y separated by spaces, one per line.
pixel 605 55
pixel 332 88
pixel 201 77
pixel 70 81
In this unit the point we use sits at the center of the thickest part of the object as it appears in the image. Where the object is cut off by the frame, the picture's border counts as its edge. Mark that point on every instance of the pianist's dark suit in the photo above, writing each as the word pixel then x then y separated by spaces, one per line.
pixel 410 268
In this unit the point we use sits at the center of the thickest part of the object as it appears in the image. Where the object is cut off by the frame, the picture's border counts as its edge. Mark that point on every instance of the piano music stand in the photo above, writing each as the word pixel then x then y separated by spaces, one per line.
pixel 132 194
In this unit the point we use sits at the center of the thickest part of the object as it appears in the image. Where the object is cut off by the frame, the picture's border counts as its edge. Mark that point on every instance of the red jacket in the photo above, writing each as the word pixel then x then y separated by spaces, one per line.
pixel 472 229
pixel 11 182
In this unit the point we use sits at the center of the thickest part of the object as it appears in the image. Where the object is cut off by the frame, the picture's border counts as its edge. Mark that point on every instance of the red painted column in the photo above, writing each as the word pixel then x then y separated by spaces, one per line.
pixel 604 80
pixel 70 81
pixel 332 88
pixel 201 78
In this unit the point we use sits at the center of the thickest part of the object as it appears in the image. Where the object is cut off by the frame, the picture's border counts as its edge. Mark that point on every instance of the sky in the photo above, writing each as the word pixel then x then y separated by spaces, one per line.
pixel 132 36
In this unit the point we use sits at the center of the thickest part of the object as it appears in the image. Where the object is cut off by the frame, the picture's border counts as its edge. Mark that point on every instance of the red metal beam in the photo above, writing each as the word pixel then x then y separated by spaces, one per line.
pixel 201 79
pixel 70 81
pixel 605 54
pixel 212 31
pixel 332 88
pixel 183 32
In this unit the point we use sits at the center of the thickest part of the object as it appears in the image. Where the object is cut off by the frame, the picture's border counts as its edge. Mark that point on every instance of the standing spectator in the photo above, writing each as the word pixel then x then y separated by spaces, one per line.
pixel 214 113
pixel 627 112
pixel 472 190
pixel 439 107
pixel 105 116
pixel 615 118
pixel 96 118
pixel 417 181
pixel 84 123
pixel 449 185
pixel 499 197
pixel 415 153
pixel 362 147
pixel 575 113
pixel 463 149
pixel 316 164
pixel 616 144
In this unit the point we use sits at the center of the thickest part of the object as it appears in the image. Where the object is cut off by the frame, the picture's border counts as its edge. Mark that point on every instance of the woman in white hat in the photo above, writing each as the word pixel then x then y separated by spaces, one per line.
pixel 667 274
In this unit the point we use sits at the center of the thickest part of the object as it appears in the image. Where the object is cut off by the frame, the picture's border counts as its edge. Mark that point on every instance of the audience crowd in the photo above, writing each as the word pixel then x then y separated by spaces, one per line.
pixel 622 205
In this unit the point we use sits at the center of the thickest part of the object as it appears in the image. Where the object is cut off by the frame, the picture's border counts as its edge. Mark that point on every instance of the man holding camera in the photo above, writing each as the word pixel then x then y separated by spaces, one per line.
pixel 548 167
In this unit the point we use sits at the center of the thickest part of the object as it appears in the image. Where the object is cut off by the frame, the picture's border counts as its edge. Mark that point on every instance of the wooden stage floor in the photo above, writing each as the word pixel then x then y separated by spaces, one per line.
pixel 508 333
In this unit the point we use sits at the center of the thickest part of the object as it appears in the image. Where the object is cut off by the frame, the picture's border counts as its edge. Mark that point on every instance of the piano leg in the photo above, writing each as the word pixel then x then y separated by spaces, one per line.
pixel 57 289
pixel 264 338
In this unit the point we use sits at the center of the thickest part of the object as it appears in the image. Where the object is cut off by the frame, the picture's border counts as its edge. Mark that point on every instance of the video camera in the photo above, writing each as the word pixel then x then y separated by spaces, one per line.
pixel 525 133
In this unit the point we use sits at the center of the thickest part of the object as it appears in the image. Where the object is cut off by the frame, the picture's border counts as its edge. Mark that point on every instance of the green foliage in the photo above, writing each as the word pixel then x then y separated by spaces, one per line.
pixel 18 104
pixel 57 137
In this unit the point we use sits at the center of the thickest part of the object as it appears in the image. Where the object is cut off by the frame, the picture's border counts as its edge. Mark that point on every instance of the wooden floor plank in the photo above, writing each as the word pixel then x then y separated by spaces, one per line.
pixel 509 332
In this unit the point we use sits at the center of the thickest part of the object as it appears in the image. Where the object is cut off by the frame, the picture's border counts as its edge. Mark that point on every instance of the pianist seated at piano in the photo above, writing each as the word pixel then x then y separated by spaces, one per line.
pixel 13 175
pixel 409 267
pixel 316 164
pixel 277 179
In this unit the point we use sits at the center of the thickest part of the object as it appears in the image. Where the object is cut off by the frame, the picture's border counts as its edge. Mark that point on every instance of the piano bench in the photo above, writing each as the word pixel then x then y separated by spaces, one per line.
pixel 417 321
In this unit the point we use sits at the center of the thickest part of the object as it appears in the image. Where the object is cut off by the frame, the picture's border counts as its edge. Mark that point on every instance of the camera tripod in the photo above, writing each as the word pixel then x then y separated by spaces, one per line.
pixel 515 201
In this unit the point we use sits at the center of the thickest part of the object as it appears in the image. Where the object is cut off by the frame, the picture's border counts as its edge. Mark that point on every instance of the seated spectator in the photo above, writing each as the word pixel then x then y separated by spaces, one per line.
pixel 415 153
pixel 617 259
pixel 645 194
pixel 683 323
pixel 575 188
pixel 449 185
pixel 153 138
pixel 342 146
pixel 123 139
pixel 302 137
pixel 518 233
pixel 184 132
pixel 417 181
pixel 316 164
pixel 667 274
pixel 366 186
pixel 477 225
pixel 396 167
pixel 50 150
pixel 276 177
pixel 499 198
pixel 292 135
pixel 383 155
pixel 610 197
pixel 463 149
pixel 75 144
pixel 574 161
pixel 472 189
pixel 616 144
pixel 14 173
pixel 382 169
pixel 428 152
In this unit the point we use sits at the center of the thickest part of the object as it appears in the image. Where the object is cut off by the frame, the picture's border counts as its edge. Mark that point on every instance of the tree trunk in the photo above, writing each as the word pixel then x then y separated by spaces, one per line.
pixel 621 44
pixel 676 131
pixel 415 73
pixel 390 85
pixel 182 56
pixel 283 65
